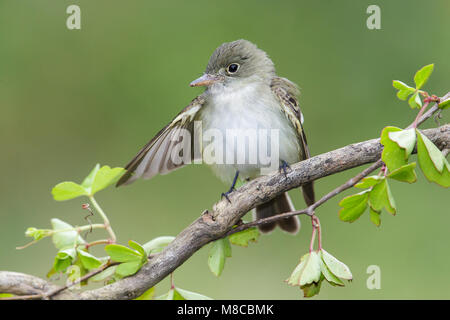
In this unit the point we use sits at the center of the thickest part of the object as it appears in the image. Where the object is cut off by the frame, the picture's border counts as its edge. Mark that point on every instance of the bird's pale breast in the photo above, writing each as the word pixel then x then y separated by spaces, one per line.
pixel 245 118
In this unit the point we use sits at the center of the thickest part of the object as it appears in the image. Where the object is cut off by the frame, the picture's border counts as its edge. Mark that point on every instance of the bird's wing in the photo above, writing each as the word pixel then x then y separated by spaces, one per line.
pixel 287 92
pixel 156 156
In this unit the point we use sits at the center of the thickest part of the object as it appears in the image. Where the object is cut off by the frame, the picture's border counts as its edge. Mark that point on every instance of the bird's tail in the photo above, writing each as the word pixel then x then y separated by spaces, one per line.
pixel 308 193
pixel 282 204
pixel 278 205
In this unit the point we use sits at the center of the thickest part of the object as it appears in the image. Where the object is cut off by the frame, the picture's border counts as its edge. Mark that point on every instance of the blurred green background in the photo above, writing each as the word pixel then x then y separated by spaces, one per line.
pixel 70 99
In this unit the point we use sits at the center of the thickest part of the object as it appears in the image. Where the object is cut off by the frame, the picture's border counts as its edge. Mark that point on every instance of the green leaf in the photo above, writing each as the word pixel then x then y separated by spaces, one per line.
pixel 38 234
pixel 87 182
pixel 380 197
pixel 294 279
pixel 98 179
pixel 415 101
pixel 65 239
pixel 62 262
pixel 406 139
pixel 105 274
pixel 307 271
pixel 431 160
pixel 403 89
pixel 242 238
pixel 68 190
pixel 312 289
pixel 421 76
pixel 405 173
pixel 6 295
pixel 353 206
pixel 136 246
pixel 64 259
pixel 338 268
pixel 126 269
pixel 132 260
pixel 157 244
pixel 393 156
pixel 329 276
pixel 106 177
pixel 444 104
pixel 434 153
pixel 220 250
pixel 403 94
pixel 189 295
pixel 121 253
pixel 70 252
pixel 311 272
pixel 375 217
pixel 397 84
pixel 147 295
pixel 368 182
pixel 88 260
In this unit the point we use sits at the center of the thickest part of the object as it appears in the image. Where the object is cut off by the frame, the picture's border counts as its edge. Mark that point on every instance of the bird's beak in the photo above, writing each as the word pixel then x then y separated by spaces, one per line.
pixel 204 80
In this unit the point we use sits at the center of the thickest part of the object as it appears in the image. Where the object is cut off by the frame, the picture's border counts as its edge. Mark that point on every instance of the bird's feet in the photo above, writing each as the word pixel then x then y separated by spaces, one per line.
pixel 225 194
pixel 283 167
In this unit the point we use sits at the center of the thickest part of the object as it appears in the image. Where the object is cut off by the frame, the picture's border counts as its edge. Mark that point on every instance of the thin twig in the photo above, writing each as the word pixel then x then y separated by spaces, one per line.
pixel 81 279
pixel 105 219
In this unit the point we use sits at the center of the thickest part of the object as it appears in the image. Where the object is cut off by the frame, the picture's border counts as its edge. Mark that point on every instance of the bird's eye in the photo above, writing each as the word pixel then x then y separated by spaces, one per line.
pixel 232 68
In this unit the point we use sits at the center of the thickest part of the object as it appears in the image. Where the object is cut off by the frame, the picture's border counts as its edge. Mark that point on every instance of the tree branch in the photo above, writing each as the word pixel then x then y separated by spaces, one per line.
pixel 217 223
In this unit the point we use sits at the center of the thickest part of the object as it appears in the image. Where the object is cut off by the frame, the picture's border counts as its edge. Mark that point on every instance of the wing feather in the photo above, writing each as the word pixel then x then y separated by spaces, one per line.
pixel 155 156
pixel 287 92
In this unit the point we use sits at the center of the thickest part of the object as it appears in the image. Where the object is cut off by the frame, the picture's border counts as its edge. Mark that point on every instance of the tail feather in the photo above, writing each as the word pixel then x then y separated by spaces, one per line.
pixel 278 205
pixel 308 193
pixel 291 224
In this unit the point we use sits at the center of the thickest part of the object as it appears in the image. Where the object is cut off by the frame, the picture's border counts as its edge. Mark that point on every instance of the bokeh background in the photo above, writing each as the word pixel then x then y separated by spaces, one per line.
pixel 70 99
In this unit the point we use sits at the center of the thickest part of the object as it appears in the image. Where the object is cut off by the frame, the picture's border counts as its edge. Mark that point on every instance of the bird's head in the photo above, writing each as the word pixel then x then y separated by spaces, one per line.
pixel 234 62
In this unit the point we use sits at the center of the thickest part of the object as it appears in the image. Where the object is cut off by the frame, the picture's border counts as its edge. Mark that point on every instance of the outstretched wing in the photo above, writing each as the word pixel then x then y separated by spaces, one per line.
pixel 287 92
pixel 156 156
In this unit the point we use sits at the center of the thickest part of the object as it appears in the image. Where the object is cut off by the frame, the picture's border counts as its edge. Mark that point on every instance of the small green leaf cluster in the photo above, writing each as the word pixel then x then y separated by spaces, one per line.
pixel 98 179
pixel 420 78
pixel 72 248
pixel 67 239
pixel 377 197
pixel 38 234
pixel 398 145
pixel 314 268
pixel 405 91
pixel 131 259
pixel 221 249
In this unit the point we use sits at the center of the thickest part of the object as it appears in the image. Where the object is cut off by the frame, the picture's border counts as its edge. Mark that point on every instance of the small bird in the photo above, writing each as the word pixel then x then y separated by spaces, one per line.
pixel 242 92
